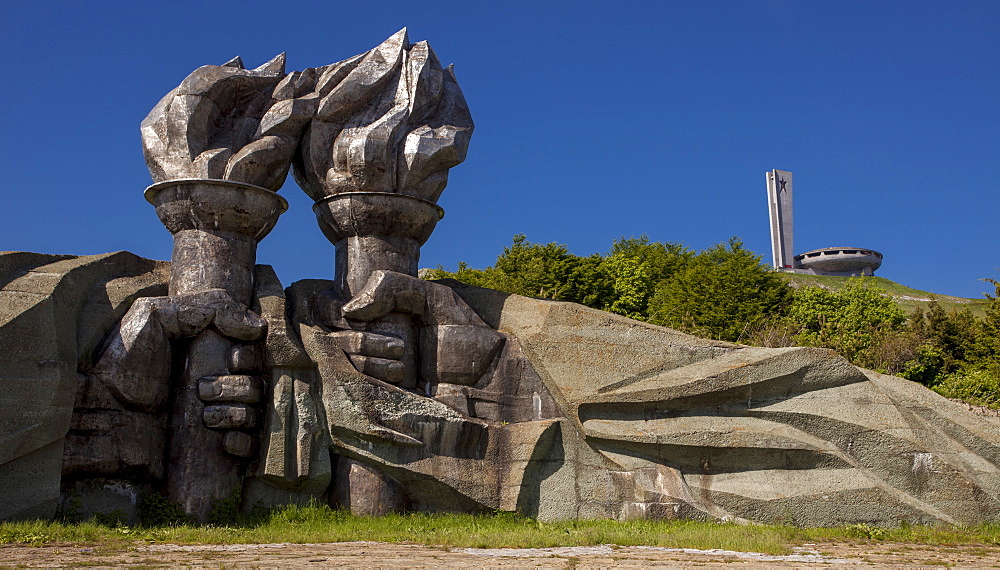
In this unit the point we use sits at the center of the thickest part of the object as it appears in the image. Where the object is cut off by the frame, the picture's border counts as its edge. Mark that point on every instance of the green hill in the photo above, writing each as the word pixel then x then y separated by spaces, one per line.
pixel 909 299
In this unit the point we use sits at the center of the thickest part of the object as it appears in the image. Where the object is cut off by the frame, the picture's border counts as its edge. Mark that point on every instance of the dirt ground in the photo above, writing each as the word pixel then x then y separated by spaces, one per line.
pixel 384 555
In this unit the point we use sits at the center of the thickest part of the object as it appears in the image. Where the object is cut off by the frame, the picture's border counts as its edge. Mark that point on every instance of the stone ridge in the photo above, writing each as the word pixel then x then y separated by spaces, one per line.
pixel 579 413
pixel 54 310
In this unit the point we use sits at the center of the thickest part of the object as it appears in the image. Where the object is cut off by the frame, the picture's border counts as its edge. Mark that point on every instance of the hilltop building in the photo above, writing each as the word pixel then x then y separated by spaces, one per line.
pixel 845 261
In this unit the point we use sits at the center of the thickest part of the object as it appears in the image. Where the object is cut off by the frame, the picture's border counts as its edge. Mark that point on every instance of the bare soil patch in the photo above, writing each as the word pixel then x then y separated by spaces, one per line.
pixel 387 555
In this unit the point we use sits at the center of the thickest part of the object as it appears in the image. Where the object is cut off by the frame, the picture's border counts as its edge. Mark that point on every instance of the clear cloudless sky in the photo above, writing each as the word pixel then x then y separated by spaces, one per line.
pixel 594 120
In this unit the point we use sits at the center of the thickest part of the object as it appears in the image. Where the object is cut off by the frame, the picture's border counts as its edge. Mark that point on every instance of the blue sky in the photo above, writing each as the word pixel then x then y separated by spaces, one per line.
pixel 593 121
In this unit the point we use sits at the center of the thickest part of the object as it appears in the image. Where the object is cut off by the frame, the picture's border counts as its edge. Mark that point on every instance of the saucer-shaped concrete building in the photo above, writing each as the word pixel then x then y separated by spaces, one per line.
pixel 839 261
pixel 843 261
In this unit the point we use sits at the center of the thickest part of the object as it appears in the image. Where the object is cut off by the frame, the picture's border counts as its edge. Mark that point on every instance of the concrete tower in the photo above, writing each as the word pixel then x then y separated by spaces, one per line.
pixel 779 203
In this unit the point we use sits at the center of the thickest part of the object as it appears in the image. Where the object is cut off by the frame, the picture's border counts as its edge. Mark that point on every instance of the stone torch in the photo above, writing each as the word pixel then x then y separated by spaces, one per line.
pixel 218 147
pixel 379 230
pixel 216 225
pixel 388 126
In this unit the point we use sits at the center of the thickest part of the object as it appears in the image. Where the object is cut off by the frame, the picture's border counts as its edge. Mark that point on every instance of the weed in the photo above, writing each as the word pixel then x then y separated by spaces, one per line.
pixel 113 518
pixel 863 530
pixel 226 511
pixel 71 510
pixel 317 523
pixel 156 510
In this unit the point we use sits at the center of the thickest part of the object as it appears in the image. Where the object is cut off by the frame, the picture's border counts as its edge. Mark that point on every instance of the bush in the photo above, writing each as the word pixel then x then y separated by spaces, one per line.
pixel 156 510
pixel 723 293
pixel 978 386
pixel 926 367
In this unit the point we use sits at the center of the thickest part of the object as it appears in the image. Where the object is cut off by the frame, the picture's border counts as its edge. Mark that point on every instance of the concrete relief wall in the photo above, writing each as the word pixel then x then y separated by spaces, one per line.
pixel 206 378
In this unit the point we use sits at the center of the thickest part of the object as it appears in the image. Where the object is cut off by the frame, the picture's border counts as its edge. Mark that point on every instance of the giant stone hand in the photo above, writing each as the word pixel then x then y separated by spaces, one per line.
pixel 455 346
pixel 388 125
pixel 135 361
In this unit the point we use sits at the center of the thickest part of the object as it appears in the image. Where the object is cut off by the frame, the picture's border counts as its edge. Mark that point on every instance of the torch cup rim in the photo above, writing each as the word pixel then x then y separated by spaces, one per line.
pixel 154 189
pixel 339 195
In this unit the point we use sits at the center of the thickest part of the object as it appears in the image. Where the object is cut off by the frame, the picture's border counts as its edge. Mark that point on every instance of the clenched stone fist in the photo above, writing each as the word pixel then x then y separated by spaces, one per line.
pixel 455 345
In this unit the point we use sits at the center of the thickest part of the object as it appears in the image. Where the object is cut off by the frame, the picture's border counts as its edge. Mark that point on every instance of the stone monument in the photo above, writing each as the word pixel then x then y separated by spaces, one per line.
pixel 205 379
pixel 779 207
pixel 838 261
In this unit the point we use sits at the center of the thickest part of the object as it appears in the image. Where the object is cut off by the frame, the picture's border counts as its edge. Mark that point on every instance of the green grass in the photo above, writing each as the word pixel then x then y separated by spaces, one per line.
pixel 319 524
pixel 907 298
pixel 987 534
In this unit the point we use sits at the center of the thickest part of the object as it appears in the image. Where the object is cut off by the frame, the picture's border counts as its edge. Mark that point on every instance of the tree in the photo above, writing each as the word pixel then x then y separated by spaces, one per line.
pixel 946 340
pixel 856 321
pixel 635 267
pixel 723 293
pixel 621 282
pixel 548 271
pixel 534 269
pixel 977 378
pixel 986 346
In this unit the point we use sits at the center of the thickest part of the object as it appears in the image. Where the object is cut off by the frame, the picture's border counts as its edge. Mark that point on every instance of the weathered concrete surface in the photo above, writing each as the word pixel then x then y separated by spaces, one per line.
pixel 469 452
pixel 578 413
pixel 799 435
pixel 116 499
pixel 388 120
pixel 216 226
pixel 635 420
pixel 295 464
pixel 54 310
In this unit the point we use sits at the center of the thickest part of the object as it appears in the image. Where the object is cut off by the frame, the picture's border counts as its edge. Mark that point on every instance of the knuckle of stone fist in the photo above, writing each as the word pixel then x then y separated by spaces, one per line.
pixel 229 417
pixel 241 325
pixel 233 388
pixel 370 344
pixel 363 306
pixel 245 358
pixel 349 341
pixel 384 346
pixel 391 371
pixel 381 346
pixel 238 443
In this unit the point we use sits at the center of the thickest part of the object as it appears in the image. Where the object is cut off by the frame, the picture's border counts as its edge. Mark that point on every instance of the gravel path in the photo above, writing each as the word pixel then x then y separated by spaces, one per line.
pixel 385 555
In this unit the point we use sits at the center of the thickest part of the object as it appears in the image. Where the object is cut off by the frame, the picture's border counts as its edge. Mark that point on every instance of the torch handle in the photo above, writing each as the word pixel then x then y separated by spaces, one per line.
pixel 216 226
pixel 201 472
pixel 360 256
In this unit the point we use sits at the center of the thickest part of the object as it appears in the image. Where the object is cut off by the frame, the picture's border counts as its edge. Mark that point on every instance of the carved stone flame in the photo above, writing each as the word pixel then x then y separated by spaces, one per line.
pixel 388 120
